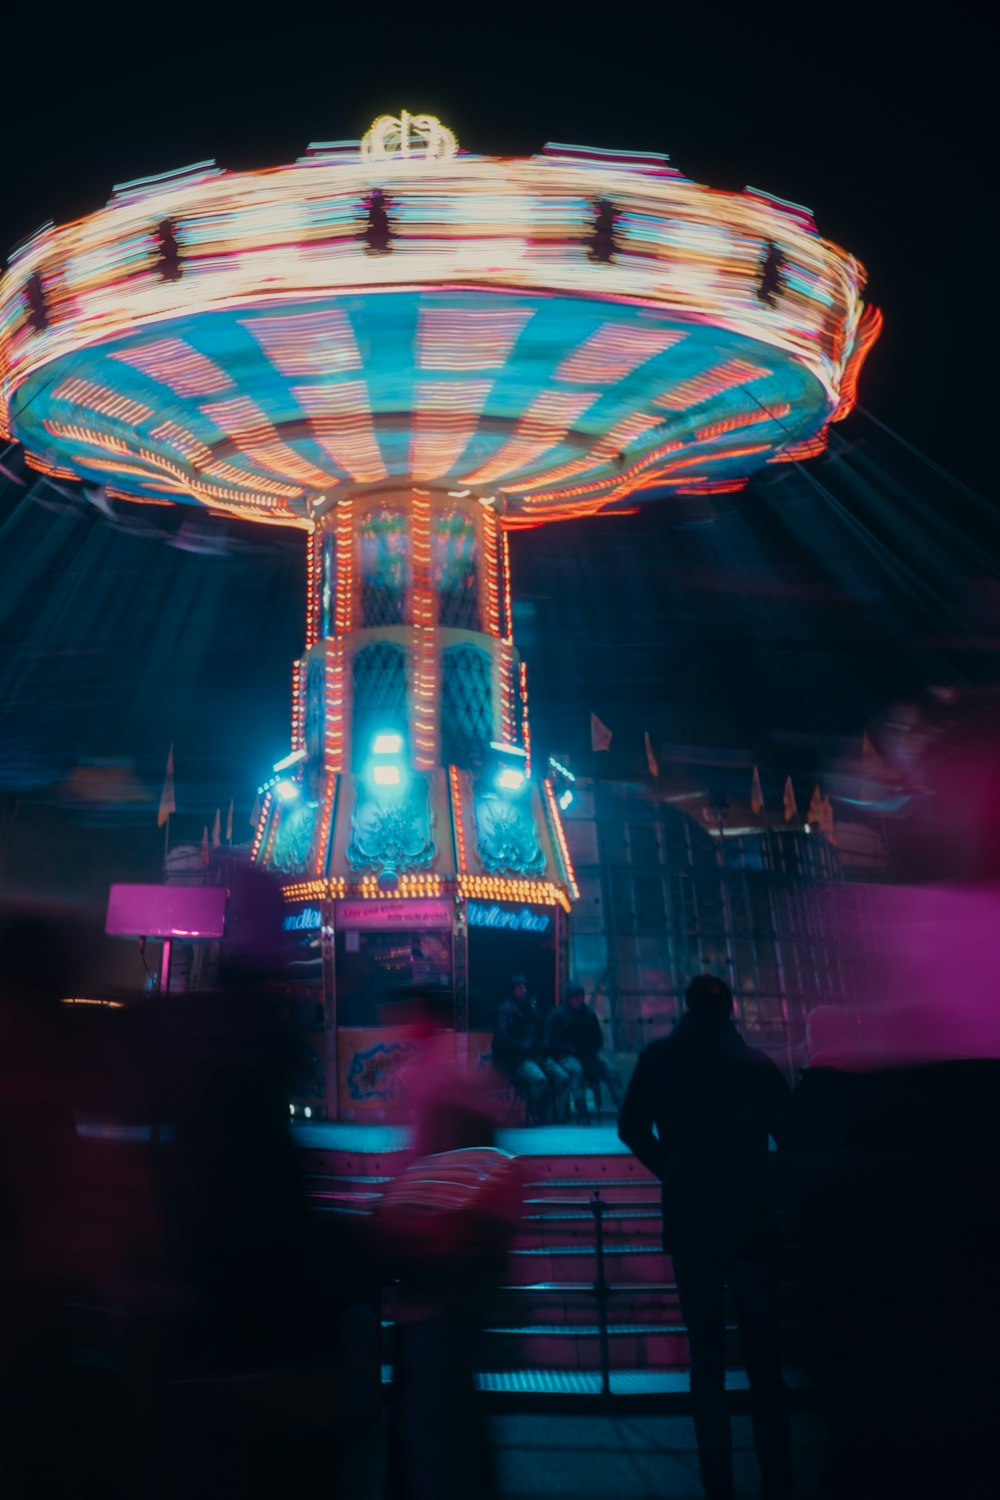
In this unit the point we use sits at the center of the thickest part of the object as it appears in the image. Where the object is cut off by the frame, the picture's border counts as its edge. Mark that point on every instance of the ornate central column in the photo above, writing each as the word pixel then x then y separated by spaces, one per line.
pixel 409 720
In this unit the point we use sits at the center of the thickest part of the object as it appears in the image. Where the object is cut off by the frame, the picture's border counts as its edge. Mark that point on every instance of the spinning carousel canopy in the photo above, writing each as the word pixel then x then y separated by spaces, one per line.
pixel 561 332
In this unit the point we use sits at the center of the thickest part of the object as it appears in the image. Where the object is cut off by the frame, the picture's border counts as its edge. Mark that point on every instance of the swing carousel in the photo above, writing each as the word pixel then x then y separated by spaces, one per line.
pixel 408 352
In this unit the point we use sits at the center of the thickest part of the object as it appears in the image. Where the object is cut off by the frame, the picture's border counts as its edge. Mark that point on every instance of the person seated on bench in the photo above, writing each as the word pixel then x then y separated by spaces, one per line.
pixel 520 1053
pixel 575 1040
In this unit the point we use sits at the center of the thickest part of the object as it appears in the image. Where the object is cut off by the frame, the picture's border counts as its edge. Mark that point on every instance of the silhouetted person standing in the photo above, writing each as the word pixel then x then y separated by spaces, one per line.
pixel 698 1113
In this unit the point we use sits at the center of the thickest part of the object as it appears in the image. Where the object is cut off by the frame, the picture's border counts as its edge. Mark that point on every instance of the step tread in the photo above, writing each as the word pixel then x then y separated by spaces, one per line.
pixel 557 1250
pixel 587 1330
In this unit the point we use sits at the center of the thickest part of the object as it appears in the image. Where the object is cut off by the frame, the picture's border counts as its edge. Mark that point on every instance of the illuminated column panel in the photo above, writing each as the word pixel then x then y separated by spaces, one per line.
pixel 525 725
pixel 298 705
pixel 424 707
pixel 345 566
pixel 489 603
pixel 457 820
pixel 508 710
pixel 506 625
pixel 334 728
pixel 314 585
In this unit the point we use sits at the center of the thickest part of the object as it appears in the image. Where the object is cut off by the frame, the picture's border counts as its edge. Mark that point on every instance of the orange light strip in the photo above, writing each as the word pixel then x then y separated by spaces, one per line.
pixel 724 377
pixel 468 338
pixel 257 441
pixel 555 823
pixel 345 566
pixel 490 590
pixel 259 835
pixel 496 888
pixel 325 822
pixel 368 887
pixel 298 705
pixel 307 345
pixel 542 426
pixel 809 448
pixel 508 717
pixel 175 364
pixel 106 403
pixel 333 732
pixel 742 419
pixel 507 626
pixel 868 329
pixel 315 890
pixel 185 443
pixel 613 351
pixel 341 420
pixel 314 584
pixel 457 822
pixel 445 419
pixel 424 643
pixel 525 727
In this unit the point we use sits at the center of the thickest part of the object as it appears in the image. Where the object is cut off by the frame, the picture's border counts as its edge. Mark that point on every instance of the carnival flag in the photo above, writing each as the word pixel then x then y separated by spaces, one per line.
pixel 788 799
pixel 756 795
pixel 600 734
pixel 255 814
pixel 868 751
pixel 826 823
pixel 814 813
pixel 217 830
pixel 167 803
pixel 205 857
pixel 654 769
pixel 229 821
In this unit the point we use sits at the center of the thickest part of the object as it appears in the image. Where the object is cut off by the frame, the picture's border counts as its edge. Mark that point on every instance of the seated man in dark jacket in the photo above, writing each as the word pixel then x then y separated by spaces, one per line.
pixel 575 1040
pixel 698 1113
pixel 521 1054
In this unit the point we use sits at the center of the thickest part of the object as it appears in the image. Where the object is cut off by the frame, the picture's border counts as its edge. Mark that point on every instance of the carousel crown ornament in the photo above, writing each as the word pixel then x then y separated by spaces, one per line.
pixel 408 137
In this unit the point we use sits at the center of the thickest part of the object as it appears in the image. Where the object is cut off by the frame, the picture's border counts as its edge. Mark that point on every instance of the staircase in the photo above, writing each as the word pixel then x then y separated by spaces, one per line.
pixel 546 1337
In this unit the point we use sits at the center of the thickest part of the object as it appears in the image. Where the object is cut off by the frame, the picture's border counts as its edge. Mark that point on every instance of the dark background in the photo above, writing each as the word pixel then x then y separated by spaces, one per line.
pixel 783 621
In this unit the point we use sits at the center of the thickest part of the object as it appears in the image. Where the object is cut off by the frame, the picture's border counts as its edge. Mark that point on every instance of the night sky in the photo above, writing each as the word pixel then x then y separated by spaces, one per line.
pixel 793 614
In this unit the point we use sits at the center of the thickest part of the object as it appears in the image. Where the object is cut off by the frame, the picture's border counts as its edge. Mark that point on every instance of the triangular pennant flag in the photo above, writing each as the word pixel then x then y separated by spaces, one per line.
pixel 826 824
pixel 255 815
pixel 217 830
pixel 756 795
pixel 205 856
pixel 868 751
pixel 815 804
pixel 788 800
pixel 600 734
pixel 168 804
pixel 229 821
pixel 654 769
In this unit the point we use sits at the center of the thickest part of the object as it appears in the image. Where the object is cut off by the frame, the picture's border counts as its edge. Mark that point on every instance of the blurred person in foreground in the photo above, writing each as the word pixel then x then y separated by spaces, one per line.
pixel 901 1219
pixel 42 1258
pixel 444 1227
pixel 254 1386
pixel 521 1053
pixel 575 1041
pixel 698 1113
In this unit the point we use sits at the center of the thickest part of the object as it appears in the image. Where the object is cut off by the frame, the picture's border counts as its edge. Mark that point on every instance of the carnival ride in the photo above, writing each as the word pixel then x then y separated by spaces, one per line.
pixel 408 352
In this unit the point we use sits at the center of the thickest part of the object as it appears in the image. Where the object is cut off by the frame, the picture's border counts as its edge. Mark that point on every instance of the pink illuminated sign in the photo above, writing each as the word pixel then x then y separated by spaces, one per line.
pixel 422 912
pixel 167 911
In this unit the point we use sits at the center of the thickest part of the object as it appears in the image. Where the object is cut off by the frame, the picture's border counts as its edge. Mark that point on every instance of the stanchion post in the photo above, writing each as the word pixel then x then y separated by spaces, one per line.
pixel 597 1207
